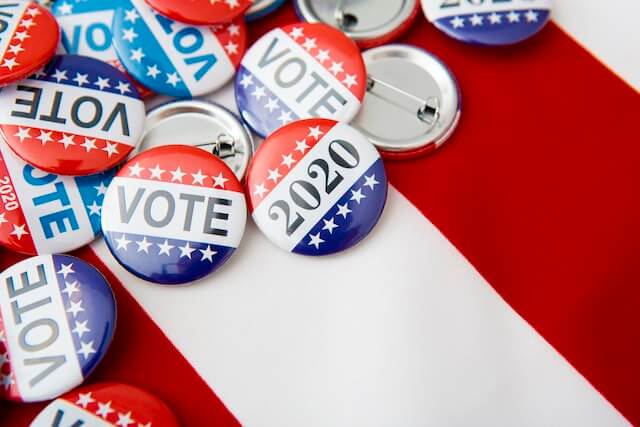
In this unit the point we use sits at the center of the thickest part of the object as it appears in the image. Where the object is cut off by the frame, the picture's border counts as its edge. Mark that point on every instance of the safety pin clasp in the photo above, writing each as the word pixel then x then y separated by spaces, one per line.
pixel 224 146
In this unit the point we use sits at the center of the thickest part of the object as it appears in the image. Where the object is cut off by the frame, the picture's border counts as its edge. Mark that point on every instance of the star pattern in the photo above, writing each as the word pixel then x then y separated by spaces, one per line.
pixel 178 175
pixel 113 412
pixel 7 377
pixel 478 20
pixel 13 55
pixel 12 218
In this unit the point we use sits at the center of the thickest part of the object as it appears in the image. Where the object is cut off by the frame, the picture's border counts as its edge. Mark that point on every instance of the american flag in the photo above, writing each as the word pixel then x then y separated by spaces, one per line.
pixel 499 287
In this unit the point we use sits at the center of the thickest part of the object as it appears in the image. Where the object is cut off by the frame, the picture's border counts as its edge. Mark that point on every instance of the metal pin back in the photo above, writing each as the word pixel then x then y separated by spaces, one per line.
pixel 412 104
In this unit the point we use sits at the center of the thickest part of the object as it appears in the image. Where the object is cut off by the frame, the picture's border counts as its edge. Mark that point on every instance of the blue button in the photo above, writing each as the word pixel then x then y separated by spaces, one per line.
pixel 490 22
pixel 58 318
pixel 262 8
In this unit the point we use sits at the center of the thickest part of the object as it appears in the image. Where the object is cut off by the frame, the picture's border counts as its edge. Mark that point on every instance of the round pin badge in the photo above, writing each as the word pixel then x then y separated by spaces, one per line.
pixel 107 405
pixel 43 213
pixel 300 71
pixel 77 116
pixel 29 37
pixel 172 58
pixel 177 214
pixel 414 90
pixel 203 124
pixel 201 12
pixel 316 187
pixel 371 23
pixel 58 316
pixel 262 8
pixel 86 30
pixel 490 23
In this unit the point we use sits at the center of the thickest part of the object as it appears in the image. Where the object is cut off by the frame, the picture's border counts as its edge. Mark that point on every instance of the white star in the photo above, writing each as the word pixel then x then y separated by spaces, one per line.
pixel 186 250
pixel 309 44
pixel 81 79
pixel 285 117
pixel 198 177
pixel 323 55
pixel 336 68
pixel 476 20
pixel 315 132
pixel 104 409
pixel 370 181
pixel 94 209
pixel 84 399
pixel 165 248
pixel 231 48
pixel 110 148
pixel 531 16
pixel 60 75
pixel 329 225
pixel 4 358
pixel 153 71
pixel 156 172
pixel 173 79
pixel 44 137
pixel 65 270
pixel 18 231
pixel 272 104
pixel 296 33
pixel 287 160
pixel 123 87
pixel 67 140
pixel 2 218
pixel 65 8
pixel 81 328
pixel 76 307
pixel 207 254
pixel 350 80
pixel 16 49
pixel 135 170
pixel 177 175
pixel 219 181
pixel 457 22
pixel 513 16
pixel 70 288
pixel 129 34
pixel 102 83
pixel 131 16
pixel 6 381
pixel 232 3
pixel 258 93
pixel 234 30
pixel 274 175
pixel 101 189
pixel 357 195
pixel 124 419
pixel 302 146
pixel 260 190
pixel 2 339
pixel 21 35
pixel 494 18
pixel 344 210
pixel 137 55
pixel 33 11
pixel 123 242
pixel 246 81
pixel 27 23
pixel 315 240
pixel 86 349
pixel 89 144
pixel 143 245
pixel 23 133
pixel 10 63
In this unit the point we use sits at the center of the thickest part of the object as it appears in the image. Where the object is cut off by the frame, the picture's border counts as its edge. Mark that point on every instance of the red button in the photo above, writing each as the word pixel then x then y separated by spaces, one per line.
pixel 201 12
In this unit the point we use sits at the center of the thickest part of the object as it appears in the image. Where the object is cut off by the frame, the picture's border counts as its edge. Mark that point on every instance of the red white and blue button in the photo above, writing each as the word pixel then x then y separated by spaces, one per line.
pixel 490 22
pixel 262 8
pixel 172 58
pixel 77 116
pixel 300 71
pixel 57 319
pixel 29 37
pixel 106 405
pixel 43 213
pixel 176 214
pixel 201 12
pixel 316 187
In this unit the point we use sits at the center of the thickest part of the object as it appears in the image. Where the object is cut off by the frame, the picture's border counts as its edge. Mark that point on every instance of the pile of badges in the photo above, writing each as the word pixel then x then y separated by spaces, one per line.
pixel 303 156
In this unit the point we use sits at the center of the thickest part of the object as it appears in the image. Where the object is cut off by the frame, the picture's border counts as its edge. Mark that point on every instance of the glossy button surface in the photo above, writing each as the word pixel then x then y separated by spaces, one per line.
pixel 43 213
pixel 58 318
pixel 172 58
pixel 175 214
pixel 316 187
pixel 201 12
pixel 300 71
pixel 262 8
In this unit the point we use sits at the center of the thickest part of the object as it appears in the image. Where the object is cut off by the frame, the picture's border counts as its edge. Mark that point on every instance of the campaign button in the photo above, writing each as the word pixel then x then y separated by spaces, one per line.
pixel 43 213
pixel 86 30
pixel 57 320
pixel 496 22
pixel 262 8
pixel 316 187
pixel 29 37
pixel 300 71
pixel 201 12
pixel 106 405
pixel 176 214
pixel 172 58
pixel 77 116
